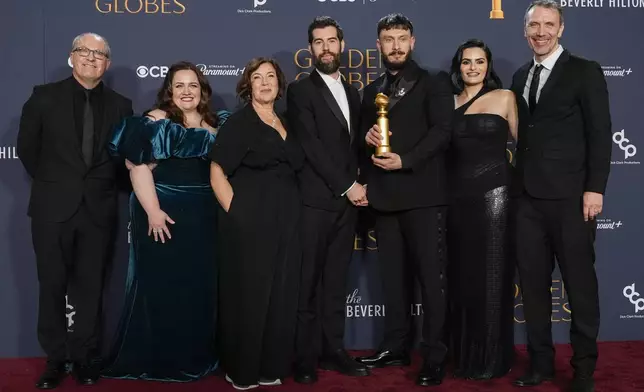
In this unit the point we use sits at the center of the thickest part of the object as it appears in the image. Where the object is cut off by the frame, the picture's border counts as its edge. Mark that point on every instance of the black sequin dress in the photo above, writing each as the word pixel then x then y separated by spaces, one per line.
pixel 480 265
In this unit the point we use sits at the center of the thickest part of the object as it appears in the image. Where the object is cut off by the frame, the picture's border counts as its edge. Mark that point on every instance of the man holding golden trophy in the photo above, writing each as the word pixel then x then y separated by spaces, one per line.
pixel 406 182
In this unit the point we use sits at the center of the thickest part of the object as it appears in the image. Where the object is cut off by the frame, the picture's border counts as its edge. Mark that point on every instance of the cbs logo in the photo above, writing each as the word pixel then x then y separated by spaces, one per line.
pixel 154 71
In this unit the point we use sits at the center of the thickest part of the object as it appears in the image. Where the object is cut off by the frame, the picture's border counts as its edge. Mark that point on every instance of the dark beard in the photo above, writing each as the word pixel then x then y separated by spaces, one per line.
pixel 328 68
pixel 397 66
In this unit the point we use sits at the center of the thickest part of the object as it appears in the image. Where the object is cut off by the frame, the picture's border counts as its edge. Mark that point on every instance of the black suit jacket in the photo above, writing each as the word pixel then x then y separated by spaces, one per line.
pixel 331 157
pixel 420 119
pixel 564 148
pixel 50 150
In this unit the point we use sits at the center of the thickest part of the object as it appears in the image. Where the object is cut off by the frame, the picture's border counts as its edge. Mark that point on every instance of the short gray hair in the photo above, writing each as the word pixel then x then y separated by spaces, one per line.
pixel 76 42
pixel 553 5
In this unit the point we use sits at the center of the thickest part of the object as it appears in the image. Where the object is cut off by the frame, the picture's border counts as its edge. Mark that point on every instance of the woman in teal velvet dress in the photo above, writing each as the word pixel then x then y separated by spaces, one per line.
pixel 167 327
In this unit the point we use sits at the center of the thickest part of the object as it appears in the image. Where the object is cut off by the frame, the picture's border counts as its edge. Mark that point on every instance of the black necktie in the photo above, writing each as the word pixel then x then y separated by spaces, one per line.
pixel 534 86
pixel 88 131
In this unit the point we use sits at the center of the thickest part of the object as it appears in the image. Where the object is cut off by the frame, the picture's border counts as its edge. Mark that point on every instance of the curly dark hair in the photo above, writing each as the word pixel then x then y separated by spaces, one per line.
pixel 244 86
pixel 164 96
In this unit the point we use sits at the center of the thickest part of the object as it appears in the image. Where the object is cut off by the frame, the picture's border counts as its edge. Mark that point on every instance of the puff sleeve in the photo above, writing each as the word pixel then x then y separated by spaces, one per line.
pixel 143 140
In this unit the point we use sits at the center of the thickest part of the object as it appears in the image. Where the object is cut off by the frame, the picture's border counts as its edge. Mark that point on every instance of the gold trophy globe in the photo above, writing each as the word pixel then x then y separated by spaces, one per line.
pixel 383 123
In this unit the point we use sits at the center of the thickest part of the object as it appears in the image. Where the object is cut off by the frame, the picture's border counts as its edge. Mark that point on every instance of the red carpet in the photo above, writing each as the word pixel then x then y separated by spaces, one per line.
pixel 620 369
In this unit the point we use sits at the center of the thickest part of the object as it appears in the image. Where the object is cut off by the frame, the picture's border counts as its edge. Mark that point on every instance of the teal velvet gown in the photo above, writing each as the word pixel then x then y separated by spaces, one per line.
pixel 167 326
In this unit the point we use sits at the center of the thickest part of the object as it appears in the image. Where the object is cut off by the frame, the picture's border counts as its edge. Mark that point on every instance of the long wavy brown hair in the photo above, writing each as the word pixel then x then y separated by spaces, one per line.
pixel 174 114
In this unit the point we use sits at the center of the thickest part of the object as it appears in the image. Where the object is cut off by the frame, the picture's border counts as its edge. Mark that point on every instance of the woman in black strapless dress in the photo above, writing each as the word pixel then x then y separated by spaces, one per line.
pixel 481 269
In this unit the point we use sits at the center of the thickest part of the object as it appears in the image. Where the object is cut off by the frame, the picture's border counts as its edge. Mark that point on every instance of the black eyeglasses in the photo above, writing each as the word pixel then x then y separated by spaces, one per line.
pixel 84 52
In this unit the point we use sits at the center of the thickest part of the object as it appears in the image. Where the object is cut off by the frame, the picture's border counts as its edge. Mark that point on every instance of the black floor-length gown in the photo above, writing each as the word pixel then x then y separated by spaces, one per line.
pixel 260 248
pixel 481 269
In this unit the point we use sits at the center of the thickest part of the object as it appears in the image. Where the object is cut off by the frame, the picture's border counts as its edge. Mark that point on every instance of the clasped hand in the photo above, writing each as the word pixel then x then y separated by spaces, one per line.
pixel 389 160
pixel 358 195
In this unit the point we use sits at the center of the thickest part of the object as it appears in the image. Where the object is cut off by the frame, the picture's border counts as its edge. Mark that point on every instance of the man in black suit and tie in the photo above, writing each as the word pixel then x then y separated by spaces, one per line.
pixel 563 162
pixel 323 110
pixel 62 142
pixel 407 190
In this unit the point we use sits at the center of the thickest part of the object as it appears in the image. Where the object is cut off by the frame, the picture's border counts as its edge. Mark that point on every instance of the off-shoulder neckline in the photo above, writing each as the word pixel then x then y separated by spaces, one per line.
pixel 167 120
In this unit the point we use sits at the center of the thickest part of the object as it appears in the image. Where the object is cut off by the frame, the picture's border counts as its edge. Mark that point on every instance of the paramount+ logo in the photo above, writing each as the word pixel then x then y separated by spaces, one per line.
pixel 167 7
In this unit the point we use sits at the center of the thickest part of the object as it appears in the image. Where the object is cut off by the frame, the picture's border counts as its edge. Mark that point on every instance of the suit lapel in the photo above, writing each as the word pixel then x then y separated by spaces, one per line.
pixel 69 116
pixel 328 97
pixel 519 86
pixel 405 84
pixel 552 79
pixel 522 80
pixel 104 131
pixel 354 109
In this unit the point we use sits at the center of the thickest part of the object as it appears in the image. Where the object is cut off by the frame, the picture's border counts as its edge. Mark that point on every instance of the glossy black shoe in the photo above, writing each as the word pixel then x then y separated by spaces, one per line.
pixel 533 378
pixel 582 384
pixel 385 358
pixel 430 374
pixel 341 361
pixel 53 375
pixel 85 374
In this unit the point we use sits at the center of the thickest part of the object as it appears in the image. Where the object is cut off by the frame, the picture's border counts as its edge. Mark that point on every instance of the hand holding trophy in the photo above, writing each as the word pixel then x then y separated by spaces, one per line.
pixel 383 123
pixel 378 136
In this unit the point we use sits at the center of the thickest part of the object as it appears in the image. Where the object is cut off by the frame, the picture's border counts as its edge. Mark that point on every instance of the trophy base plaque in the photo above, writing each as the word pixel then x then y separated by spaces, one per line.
pixel 381 150
pixel 496 14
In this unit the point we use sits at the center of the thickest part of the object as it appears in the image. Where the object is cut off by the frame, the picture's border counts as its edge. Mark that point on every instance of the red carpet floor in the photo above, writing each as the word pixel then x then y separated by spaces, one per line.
pixel 620 369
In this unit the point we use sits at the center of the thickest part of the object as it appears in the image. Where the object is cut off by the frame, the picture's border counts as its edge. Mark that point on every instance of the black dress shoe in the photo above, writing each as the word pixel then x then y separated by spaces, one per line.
pixel 54 373
pixel 430 374
pixel 85 374
pixel 340 361
pixel 303 375
pixel 385 358
pixel 533 378
pixel 582 384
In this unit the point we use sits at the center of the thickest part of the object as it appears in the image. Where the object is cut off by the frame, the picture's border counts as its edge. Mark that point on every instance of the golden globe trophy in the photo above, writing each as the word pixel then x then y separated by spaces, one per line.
pixel 383 123
pixel 497 12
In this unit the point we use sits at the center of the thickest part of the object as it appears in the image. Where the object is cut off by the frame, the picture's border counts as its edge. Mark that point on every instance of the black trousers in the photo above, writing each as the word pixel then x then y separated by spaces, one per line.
pixel 546 229
pixel 411 244
pixel 70 255
pixel 328 240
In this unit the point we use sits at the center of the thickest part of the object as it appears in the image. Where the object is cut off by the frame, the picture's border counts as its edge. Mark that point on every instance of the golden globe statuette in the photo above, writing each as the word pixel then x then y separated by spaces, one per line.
pixel 383 123
pixel 497 12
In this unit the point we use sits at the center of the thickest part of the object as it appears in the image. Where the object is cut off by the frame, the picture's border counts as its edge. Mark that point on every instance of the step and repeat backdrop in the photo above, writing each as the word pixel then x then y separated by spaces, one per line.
pixel 147 36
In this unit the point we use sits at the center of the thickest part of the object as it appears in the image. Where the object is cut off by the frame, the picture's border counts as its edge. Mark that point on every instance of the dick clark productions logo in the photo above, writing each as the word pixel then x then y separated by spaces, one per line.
pixel 633 296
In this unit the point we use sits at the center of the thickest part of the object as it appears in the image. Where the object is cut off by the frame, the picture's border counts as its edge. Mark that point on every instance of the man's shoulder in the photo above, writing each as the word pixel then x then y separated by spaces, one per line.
pixel 301 83
pixel 122 99
pixel 435 75
pixel 581 62
pixel 351 87
pixel 432 72
pixel 522 68
pixel 51 87
pixel 372 88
